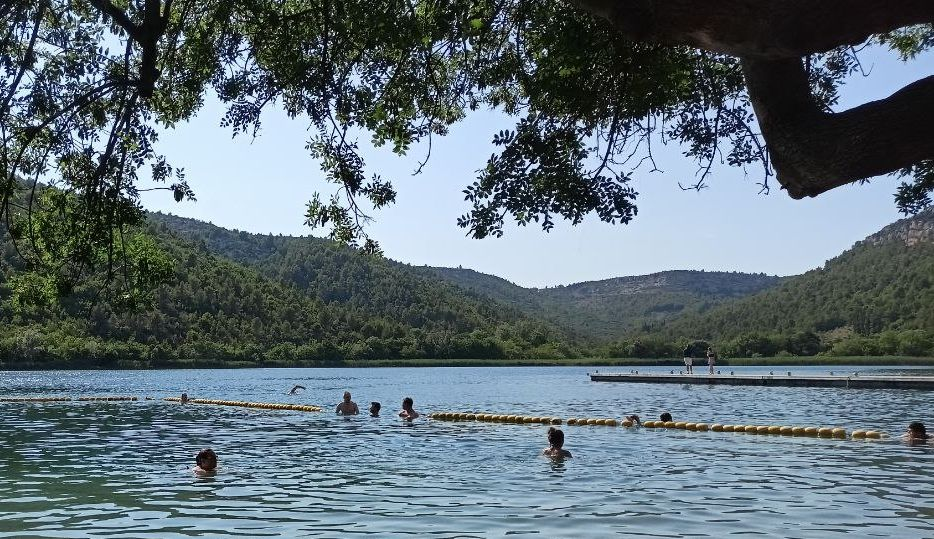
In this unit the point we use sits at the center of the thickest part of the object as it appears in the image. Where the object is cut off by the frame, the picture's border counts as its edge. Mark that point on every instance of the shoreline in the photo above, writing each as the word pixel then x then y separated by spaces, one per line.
pixel 799 361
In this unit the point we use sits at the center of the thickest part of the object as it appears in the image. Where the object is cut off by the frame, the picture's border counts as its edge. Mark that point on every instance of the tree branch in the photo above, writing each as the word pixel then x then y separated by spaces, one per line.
pixel 770 28
pixel 814 151
pixel 118 15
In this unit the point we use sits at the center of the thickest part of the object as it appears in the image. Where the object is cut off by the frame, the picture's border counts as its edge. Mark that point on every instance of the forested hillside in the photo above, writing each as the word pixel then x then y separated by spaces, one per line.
pixel 612 308
pixel 302 302
pixel 876 298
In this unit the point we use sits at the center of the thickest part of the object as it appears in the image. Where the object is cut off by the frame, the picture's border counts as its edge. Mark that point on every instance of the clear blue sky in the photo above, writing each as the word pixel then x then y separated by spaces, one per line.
pixel 261 185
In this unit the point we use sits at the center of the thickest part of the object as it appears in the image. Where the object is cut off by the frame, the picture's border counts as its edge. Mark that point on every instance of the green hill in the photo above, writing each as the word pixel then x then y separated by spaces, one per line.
pixel 875 298
pixel 248 299
pixel 612 308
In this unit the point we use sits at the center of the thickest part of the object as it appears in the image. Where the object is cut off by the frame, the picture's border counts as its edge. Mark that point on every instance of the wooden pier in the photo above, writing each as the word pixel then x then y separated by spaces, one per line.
pixel 783 380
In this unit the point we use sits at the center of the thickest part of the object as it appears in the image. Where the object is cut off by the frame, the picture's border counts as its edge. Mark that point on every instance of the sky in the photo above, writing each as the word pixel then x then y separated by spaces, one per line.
pixel 261 185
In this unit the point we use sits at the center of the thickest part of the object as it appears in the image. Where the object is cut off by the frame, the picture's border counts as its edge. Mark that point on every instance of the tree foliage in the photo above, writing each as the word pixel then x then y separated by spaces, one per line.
pixel 592 85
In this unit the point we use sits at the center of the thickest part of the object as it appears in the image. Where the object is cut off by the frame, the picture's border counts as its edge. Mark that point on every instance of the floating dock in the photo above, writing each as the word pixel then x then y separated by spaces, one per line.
pixel 782 380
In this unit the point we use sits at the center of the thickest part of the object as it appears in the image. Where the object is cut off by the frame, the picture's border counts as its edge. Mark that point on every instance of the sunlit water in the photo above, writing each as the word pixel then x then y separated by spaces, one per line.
pixel 123 469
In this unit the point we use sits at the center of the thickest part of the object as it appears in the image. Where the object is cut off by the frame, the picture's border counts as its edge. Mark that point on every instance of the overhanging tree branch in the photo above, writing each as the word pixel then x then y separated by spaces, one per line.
pixel 770 28
pixel 814 151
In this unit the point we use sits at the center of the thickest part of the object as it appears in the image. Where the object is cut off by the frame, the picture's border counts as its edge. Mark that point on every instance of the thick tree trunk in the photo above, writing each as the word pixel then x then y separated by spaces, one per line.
pixel 771 28
pixel 814 151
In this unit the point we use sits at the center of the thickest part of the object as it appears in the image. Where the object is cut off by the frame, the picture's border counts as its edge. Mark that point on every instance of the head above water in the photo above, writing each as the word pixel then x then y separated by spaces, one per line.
pixel 407 403
pixel 665 416
pixel 375 407
pixel 206 459
pixel 555 438
pixel 916 429
pixel 347 396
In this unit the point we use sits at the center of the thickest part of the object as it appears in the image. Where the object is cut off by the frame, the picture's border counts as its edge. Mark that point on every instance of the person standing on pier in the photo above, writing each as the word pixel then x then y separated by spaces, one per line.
pixel 689 359
pixel 711 360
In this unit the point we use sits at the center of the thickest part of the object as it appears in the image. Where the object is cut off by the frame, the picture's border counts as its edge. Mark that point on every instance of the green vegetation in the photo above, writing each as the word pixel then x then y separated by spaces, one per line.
pixel 308 302
pixel 604 310
pixel 590 87
pixel 239 299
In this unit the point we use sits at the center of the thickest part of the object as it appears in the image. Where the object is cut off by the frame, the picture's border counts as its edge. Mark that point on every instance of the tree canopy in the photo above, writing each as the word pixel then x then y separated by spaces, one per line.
pixel 593 84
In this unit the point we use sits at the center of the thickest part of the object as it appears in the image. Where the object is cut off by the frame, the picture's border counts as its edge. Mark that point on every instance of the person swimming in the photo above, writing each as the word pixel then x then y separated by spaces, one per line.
pixel 555 447
pixel 665 417
pixel 916 433
pixel 374 409
pixel 295 389
pixel 635 419
pixel 347 407
pixel 205 462
pixel 407 411
pixel 184 398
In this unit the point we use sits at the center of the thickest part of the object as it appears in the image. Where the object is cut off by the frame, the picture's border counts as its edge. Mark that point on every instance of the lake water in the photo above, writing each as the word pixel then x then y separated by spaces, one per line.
pixel 123 469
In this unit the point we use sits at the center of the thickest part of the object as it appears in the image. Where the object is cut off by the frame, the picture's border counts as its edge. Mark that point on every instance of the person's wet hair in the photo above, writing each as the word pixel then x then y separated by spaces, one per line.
pixel 407 402
pixel 205 456
pixel 555 437
pixel 375 406
pixel 665 417
pixel 917 429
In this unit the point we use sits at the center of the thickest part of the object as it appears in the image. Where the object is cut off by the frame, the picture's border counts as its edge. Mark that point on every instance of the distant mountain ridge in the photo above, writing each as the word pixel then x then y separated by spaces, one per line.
pixel 882 285
pixel 611 308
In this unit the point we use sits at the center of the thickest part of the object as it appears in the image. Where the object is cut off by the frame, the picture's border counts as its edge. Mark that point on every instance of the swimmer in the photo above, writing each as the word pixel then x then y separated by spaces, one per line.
pixel 205 462
pixel 916 433
pixel 374 409
pixel 295 389
pixel 407 411
pixel 665 416
pixel 348 407
pixel 635 419
pixel 555 445
pixel 184 398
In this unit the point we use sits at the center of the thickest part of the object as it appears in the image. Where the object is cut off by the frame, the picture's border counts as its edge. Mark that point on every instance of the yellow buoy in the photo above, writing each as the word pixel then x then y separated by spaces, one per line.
pixel 797 431
pixel 839 433
pixel 555 420
pixel 858 434
pixel 810 431
pixel 702 427
pixel 751 429
pixel 669 424
pixel 572 421
pixel 611 423
pixel 717 427
pixel 729 428
pixel 773 429
pixel 786 431
pixel 680 424
pixel 649 424
pixel 627 423
pixel 690 426
pixel 873 434
pixel 824 432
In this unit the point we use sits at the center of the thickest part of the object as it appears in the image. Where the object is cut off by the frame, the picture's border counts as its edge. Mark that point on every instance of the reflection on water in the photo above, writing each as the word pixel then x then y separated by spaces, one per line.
pixel 125 469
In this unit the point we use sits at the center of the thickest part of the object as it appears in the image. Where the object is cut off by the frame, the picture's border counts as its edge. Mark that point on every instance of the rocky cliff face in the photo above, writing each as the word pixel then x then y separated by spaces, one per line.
pixel 911 231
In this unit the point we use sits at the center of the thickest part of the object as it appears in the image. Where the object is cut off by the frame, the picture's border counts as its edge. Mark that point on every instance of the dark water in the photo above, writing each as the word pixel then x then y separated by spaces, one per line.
pixel 124 469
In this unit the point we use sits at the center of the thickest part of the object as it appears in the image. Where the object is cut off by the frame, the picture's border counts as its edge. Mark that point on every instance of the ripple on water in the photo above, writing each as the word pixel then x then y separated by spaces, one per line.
pixel 124 469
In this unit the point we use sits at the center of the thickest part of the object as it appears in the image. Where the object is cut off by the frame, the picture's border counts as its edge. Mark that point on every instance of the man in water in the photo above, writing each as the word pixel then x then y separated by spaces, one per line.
pixel 206 462
pixel 916 433
pixel 374 409
pixel 555 447
pixel 347 407
pixel 295 389
pixel 408 412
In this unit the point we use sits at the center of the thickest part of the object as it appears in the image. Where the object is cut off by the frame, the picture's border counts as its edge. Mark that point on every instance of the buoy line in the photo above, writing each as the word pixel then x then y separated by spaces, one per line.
pixel 245 404
pixel 118 398
pixel 35 399
pixel 821 432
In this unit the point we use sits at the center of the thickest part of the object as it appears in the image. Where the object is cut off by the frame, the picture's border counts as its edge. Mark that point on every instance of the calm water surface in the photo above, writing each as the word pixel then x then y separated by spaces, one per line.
pixel 124 469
